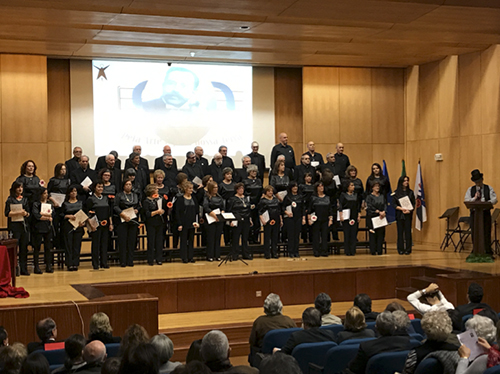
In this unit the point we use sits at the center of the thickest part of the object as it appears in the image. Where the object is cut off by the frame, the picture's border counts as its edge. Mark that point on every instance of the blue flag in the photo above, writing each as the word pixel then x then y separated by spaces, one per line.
pixel 391 209
pixel 421 215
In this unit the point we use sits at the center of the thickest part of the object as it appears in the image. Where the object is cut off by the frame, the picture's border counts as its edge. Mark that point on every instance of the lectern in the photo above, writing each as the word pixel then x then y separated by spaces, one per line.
pixel 478 229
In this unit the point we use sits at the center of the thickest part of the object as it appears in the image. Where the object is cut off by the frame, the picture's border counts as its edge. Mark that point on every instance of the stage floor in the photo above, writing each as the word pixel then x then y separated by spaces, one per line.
pixel 56 287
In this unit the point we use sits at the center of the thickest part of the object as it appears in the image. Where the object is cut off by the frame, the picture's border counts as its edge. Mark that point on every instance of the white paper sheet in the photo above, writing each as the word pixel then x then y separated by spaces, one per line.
pixel 469 339
pixel 80 217
pixel 289 209
pixel 159 203
pixel 346 213
pixel 197 181
pixel 46 208
pixel 58 198
pixel 130 213
pixel 314 164
pixel 16 208
pixel 93 223
pixel 282 194
pixel 378 222
pixel 337 180
pixel 211 219
pixel 86 182
pixel 228 216
pixel 265 217
pixel 406 203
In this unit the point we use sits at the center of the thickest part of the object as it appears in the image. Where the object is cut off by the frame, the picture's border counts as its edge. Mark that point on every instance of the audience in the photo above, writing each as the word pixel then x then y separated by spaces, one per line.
pixel 434 299
pixel 194 352
pixel 475 304
pixel 273 319
pixel 363 302
pixel 134 335
pixel 111 366
pixel 402 323
pixel 354 326
pixel 141 359
pixel 4 337
pixel 165 349
pixel 493 350
pixel 46 329
pixel 94 354
pixel 100 329
pixel 194 367
pixel 323 303
pixel 73 346
pixel 401 317
pixel 35 363
pixel 12 357
pixel 279 363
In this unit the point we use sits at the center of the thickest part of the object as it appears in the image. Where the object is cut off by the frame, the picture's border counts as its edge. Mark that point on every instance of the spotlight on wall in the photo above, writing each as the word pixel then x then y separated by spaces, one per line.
pixel 192 54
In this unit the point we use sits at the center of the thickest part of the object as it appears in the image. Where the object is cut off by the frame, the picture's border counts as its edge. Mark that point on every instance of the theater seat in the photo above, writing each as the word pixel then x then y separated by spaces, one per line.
pixel 311 353
pixel 387 363
pixel 276 338
pixel 112 349
pixel 429 366
pixel 337 358
pixel 333 328
pixel 416 337
pixel 355 341
pixel 493 370
pixel 55 357
pixel 417 325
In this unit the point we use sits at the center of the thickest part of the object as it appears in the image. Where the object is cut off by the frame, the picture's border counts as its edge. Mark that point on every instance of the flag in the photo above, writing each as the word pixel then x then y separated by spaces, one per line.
pixel 420 197
pixel 391 209
pixel 403 169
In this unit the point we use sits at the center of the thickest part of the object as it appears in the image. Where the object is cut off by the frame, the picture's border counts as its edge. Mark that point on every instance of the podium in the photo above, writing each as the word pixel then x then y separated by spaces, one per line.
pixel 478 229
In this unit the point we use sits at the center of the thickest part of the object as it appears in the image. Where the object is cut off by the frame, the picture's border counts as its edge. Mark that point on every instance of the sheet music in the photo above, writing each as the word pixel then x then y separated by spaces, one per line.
pixel 228 216
pixel 346 213
pixel 93 223
pixel 58 198
pixel 282 194
pixel 86 182
pixel 197 181
pixel 379 222
pixel 80 217
pixel 211 219
pixel 159 203
pixel 289 209
pixel 337 180
pixel 314 164
pixel 16 208
pixel 46 208
pixel 406 203
pixel 265 217
pixel 469 339
pixel 130 213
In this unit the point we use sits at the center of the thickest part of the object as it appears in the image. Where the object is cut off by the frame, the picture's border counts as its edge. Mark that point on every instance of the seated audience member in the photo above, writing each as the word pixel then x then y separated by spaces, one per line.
pixel 354 326
pixel 475 296
pixel 437 326
pixel 402 323
pixel 111 366
pixel 94 354
pixel 4 337
pixel 434 299
pixel 323 303
pixel 457 326
pixel 387 342
pixel 134 335
pixel 486 334
pixel 490 313
pixel 273 319
pixel 363 302
pixel 142 359
pixel 493 350
pixel 35 363
pixel 403 319
pixel 12 357
pixel 194 352
pixel 165 348
pixel 215 352
pixel 46 330
pixel 194 367
pixel 279 363
pixel 311 322
pixel 73 347
pixel 100 329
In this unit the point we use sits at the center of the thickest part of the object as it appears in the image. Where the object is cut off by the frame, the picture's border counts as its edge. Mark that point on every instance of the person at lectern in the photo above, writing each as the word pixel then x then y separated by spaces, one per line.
pixel 484 193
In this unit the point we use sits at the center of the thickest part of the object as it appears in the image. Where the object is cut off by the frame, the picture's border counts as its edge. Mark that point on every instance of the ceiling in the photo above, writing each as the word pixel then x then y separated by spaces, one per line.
pixel 391 33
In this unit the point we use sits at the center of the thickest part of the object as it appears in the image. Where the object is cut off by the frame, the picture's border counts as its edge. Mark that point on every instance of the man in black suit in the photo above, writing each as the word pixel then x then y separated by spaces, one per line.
pixel 313 155
pixel 475 296
pixel 257 159
pixel 241 174
pixel 387 342
pixel 202 161
pixel 80 174
pixel 216 168
pixel 102 163
pixel 46 329
pixel 142 161
pixel 341 161
pixel 311 321
pixel 192 169
pixel 111 165
pixel 282 148
pixel 73 163
pixel 303 168
pixel 227 162
pixel 160 161
pixel 330 163
pixel 170 171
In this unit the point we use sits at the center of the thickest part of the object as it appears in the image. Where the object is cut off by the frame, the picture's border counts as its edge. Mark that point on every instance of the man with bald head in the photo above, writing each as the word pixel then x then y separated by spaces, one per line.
pixel 82 173
pixel 341 161
pixel 73 163
pixel 94 354
pixel 314 156
pixel 257 159
pixel 202 161
pixel 160 161
pixel 103 162
pixel 282 148
pixel 143 163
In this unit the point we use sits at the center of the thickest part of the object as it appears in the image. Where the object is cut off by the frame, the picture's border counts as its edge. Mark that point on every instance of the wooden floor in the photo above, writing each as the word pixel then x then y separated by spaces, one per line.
pixel 57 286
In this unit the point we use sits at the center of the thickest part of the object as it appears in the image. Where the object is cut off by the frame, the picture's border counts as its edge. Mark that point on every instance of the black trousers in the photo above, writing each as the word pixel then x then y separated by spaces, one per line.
pixel 377 241
pixel 228 234
pixel 350 237
pixel 73 243
pixel 306 233
pixel 155 243
pixel 486 230
pixel 242 230
pixel 214 233
pixel 99 248
pixel 46 239
pixel 186 237
pixel 404 234
pixel 57 223
pixel 271 235
pixel 127 242
pixel 22 237
pixel 294 228
pixel 320 234
pixel 255 229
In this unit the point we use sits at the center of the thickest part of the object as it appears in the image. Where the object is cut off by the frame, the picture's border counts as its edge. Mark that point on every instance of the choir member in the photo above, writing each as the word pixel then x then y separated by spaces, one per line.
pixel 43 231
pixel 239 205
pixel 73 163
pixel 351 175
pixel 283 149
pixel 141 173
pixel 241 174
pixel 269 205
pixel 126 230
pixel 28 178
pixel 320 217
pixel 253 189
pixel 192 169
pixel 349 200
pixel 212 202
pixel 177 192
pixel 58 184
pixel 137 149
pixel 170 170
pixel 314 156
pixel 376 206
pixel 137 188
pixel 72 236
pixel 202 161
pixel 404 216
pixel 158 178
pixel 294 217
pixel 226 190
pixel 114 168
pixel 278 179
pixel 227 162
pixel 109 187
pixel 341 160
pixel 257 159
pixel 377 176
pixel 333 193
pixel 330 163
pixel 306 190
pixel 216 168
pixel 153 211
pixel 80 174
pixel 187 222
pixel 304 167
pixel 112 163
pixel 18 226
pixel 160 161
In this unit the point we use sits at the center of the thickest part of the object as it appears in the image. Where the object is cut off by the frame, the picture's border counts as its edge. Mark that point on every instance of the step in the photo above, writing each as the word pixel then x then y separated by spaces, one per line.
pixel 433 272
pixel 421 282
pixel 403 292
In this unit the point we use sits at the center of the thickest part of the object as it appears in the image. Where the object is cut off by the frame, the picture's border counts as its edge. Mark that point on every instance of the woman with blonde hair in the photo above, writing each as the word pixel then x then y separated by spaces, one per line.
pixel 100 329
pixel 354 326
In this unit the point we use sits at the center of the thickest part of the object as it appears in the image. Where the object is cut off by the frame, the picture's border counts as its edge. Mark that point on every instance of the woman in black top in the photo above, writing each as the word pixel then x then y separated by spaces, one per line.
pixel 278 178
pixel 253 189
pixel 153 211
pixel 158 178
pixel 333 193
pixel 31 183
pixel 98 205
pixel 403 216
pixel 17 222
pixel 43 230
pixel 320 217
pixel 211 202
pixel 377 175
pixel 137 187
pixel 270 204
pixel 349 200
pixel 109 189
pixel 126 230
pixel 72 236
pixel 375 207
pixel 58 184
pixel 294 217
pixel 351 175
pixel 175 193
pixel 307 190
pixel 239 205
pixel 226 190
pixel 186 218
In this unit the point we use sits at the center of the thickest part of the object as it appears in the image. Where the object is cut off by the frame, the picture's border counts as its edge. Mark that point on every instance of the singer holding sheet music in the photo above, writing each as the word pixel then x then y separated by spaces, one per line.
pixel 294 218
pixel 58 184
pixel 152 208
pixel 239 205
pixel 376 207
pixel 320 217
pixel 186 217
pixel 349 200
pixel 211 203
pixel 126 230
pixel 43 230
pixel 270 218
pixel 72 235
pixel 404 216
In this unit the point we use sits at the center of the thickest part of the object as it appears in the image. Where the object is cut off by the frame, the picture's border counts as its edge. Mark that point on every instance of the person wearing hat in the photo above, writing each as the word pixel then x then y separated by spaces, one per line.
pixel 481 192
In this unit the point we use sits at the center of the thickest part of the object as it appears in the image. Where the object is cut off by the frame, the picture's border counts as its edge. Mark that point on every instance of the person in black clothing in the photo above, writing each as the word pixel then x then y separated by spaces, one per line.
pixel 304 167
pixel 257 159
pixel 241 174
pixel 216 168
pixel 377 176
pixel 403 216
pixel 137 149
pixel 73 236
pixel 341 160
pixel 329 164
pixel 126 229
pixel 351 175
pixel 28 178
pixel 354 326
pixel 349 200
pixel 153 211
pixel 43 231
pixel 158 179
pixel 294 217
pixel 364 302
pixel 17 222
pixel 314 156
pixel 100 329
pixel 333 193
pixel 110 161
pixel 141 173
pixel 109 187
pixel 186 218
pixel 73 163
pixel 278 178
pixel 192 169
pixel 270 204
pixel 80 174
pixel 253 189
pixel 227 162
pixel 212 202
pixel 160 161
pixel 475 304
pixel 58 184
pixel 202 161
pixel 239 205
pixel 320 217
pixel 112 166
pixel 226 190
pixel 283 149
pixel 170 170
pixel 375 207
pixel 306 190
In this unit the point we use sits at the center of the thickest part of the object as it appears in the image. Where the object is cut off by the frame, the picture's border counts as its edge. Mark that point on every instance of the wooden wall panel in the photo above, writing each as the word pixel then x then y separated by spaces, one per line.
pixel 242 292
pixel 59 110
pixel 469 95
pixel 294 289
pixel 490 90
pixel 448 97
pixel 57 152
pixel 341 286
pixel 379 284
pixel 361 156
pixel 411 103
pixel 428 101
pixel 196 295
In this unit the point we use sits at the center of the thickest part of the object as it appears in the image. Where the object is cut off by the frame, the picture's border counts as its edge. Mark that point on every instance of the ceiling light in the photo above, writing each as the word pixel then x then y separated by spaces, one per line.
pixel 192 54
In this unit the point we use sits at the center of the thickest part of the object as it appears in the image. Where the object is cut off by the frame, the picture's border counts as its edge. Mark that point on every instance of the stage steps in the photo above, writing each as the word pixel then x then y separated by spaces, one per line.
pixel 420 282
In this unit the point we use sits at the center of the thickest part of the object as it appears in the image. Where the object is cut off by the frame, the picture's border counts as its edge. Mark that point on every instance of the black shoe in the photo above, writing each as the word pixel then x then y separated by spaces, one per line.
pixel 268 257
pixel 210 259
pixel 96 267
pixel 218 259
pixel 316 255
pixel 37 270
pixel 49 269
pixel 123 265
pixel 192 261
pixel 276 256
pixel 407 253
pixel 25 272
pixel 185 261
pixel 150 263
pixel 324 255
pixel 159 263
pixel 105 266
pixel 250 257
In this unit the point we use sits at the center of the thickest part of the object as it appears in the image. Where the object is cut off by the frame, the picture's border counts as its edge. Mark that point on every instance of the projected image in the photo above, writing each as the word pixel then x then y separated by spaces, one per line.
pixel 153 104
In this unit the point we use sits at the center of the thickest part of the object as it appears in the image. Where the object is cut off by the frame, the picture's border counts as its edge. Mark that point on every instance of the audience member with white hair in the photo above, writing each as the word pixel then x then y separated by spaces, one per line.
pixel 165 348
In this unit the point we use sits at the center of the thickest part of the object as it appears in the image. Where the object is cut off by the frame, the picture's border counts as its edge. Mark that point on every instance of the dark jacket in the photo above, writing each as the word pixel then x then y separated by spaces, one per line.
pixel 312 335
